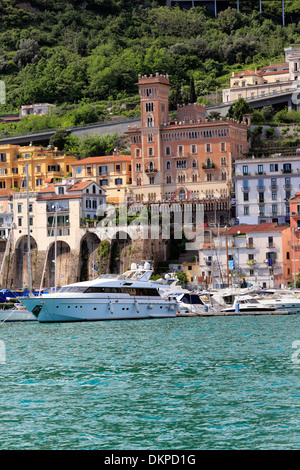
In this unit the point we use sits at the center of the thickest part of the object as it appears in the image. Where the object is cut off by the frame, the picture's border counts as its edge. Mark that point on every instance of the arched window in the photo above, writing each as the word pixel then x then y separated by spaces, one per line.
pixel 168 165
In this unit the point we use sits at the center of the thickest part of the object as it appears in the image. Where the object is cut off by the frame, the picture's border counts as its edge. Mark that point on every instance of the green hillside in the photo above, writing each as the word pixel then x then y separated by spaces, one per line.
pixel 83 51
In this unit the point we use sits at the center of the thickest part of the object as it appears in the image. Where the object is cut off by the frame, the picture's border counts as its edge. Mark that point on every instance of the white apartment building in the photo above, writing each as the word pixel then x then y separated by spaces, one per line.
pixel 256 253
pixel 66 206
pixel 263 187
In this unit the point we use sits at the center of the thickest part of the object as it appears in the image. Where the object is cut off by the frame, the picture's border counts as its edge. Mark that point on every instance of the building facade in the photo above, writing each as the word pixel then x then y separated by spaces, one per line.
pixel 112 173
pixel 272 79
pixel 36 109
pixel 44 166
pixel 260 254
pixel 263 188
pixel 183 160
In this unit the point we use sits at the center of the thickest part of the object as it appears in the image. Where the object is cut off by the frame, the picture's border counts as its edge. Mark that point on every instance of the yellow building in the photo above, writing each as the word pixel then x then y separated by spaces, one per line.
pixel 112 173
pixel 43 166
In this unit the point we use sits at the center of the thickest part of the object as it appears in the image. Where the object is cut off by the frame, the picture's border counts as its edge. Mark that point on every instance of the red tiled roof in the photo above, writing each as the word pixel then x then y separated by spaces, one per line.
pixel 267 227
pixel 80 185
pixel 6 192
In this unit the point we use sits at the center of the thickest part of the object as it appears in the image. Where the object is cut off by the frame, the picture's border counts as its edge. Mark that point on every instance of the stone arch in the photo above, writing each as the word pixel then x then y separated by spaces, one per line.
pixel 21 263
pixel 89 257
pixel 121 250
pixel 63 265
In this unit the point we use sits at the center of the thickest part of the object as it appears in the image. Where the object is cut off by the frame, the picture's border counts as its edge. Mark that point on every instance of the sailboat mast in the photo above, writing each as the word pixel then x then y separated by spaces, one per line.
pixel 227 258
pixel 28 231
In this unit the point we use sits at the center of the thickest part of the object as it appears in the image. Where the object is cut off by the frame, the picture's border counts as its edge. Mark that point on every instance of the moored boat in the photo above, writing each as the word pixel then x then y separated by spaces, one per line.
pixel 108 297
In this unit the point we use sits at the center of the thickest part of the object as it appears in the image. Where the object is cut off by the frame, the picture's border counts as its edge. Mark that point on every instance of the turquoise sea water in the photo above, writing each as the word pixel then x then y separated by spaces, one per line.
pixel 182 383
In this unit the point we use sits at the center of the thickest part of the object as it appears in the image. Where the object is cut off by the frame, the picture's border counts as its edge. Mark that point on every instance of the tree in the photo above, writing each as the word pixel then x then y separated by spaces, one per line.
pixel 59 139
pixel 238 109
pixel 193 97
pixel 182 278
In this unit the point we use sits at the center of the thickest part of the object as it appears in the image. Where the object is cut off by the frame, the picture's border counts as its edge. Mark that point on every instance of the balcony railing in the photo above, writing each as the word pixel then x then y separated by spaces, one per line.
pixel 150 170
pixel 211 166
pixel 251 262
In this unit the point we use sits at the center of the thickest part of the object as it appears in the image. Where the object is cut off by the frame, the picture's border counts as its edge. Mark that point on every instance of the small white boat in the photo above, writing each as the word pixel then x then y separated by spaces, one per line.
pixel 248 304
pixel 191 303
pixel 17 313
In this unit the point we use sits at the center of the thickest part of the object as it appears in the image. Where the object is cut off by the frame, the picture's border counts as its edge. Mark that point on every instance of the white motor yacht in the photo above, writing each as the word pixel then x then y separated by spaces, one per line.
pixel 108 297
pixel 248 304
pixel 281 300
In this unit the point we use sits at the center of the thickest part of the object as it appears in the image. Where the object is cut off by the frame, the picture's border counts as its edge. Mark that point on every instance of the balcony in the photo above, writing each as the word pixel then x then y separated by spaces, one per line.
pixel 270 245
pixel 151 171
pixel 260 188
pixel 245 189
pixel 211 166
pixel 286 170
pixel 251 262
pixel 274 187
pixel 180 155
pixel 250 246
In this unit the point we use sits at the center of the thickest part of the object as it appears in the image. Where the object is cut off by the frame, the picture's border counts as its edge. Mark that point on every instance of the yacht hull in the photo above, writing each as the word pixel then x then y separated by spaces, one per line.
pixel 55 309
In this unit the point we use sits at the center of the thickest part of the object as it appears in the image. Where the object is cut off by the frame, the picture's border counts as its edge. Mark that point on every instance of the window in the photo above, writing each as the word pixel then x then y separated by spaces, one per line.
pixel 168 165
pixel 103 182
pixel 61 190
pixel 287 183
pixel 273 183
pixel 102 170
pixel 245 185
pixel 273 167
pixel 118 181
pixel 89 170
pixel 223 147
pixel 168 150
pixel 19 208
pixel 245 170
pixel 274 209
pixel 261 211
pixel 246 196
pixel 246 210
pixel 261 197
pixel 2 157
pixel 208 148
pixel 274 195
pixel 193 148
pixel 287 168
pixel 118 168
pixel 38 168
pixel 151 180
pixel 150 137
pixel 138 167
pixel 38 182
pixel 287 195
pixel 260 169
pixel 30 207
pixel 261 185
pixel 150 152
